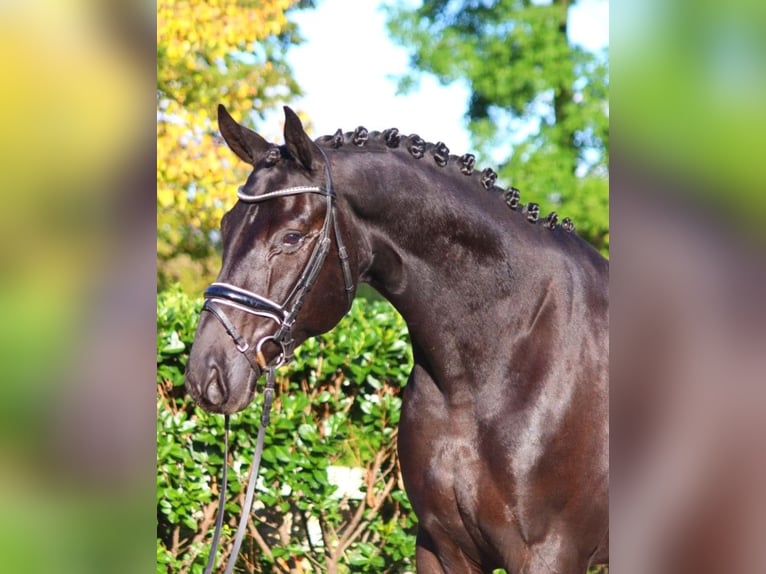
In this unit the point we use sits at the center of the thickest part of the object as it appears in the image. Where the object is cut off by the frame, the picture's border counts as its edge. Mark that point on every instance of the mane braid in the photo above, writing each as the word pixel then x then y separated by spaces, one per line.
pixel 360 136
pixel 417 146
pixel 512 197
pixel 550 220
pixel 467 162
pixel 391 138
pixel 532 211
pixel 488 178
pixel 441 154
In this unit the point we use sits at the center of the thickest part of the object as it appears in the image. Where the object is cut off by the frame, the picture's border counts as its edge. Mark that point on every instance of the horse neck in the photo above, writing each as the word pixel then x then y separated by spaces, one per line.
pixel 437 249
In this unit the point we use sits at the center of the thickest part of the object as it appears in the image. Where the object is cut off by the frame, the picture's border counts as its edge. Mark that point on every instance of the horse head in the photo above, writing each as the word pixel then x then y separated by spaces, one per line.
pixel 276 286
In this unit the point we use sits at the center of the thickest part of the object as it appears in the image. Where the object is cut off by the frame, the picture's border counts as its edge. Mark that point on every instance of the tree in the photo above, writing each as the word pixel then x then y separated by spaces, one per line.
pixel 537 102
pixel 228 51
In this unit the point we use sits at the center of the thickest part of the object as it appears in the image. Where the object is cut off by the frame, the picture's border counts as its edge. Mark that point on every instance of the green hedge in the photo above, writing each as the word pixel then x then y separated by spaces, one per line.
pixel 337 405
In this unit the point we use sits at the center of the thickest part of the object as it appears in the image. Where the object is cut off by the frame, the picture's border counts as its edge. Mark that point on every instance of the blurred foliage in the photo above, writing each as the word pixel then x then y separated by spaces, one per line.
pixel 219 51
pixel 337 404
pixel 58 171
pixel 76 114
pixel 691 89
pixel 533 93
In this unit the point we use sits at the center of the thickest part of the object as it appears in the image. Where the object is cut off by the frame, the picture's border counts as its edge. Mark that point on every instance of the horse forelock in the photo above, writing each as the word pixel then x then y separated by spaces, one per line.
pixel 361 140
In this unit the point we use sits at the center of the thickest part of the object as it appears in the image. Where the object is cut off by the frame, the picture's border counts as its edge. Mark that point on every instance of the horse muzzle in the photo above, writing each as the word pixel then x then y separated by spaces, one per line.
pixel 220 379
pixel 217 389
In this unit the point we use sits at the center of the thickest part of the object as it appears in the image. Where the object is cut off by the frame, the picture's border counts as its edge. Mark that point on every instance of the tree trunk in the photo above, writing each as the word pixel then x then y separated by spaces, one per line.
pixel 562 94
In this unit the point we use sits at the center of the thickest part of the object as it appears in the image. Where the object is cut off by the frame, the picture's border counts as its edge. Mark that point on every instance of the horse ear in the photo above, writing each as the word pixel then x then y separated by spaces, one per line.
pixel 298 143
pixel 244 142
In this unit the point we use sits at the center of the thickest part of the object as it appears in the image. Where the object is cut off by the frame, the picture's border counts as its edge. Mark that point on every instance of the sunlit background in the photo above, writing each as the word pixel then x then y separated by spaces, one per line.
pixel 78 107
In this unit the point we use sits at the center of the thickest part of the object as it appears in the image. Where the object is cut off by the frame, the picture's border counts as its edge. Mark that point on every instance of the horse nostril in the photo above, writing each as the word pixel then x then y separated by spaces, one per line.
pixel 214 391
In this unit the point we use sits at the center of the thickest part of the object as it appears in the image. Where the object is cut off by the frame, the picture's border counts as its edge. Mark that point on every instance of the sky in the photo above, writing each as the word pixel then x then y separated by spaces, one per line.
pixel 347 68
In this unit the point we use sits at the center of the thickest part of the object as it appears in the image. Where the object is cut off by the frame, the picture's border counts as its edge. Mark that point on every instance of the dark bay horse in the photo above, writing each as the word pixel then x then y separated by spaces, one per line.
pixel 503 438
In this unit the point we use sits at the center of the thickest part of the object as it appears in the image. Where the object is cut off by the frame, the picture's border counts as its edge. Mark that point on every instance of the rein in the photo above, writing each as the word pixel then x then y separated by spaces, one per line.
pixel 268 397
pixel 219 295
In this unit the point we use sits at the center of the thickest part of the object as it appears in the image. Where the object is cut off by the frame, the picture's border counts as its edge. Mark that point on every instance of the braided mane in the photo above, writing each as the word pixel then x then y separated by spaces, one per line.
pixel 439 153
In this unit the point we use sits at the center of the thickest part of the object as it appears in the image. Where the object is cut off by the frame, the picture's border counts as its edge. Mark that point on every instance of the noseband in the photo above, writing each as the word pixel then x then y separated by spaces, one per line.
pixel 224 294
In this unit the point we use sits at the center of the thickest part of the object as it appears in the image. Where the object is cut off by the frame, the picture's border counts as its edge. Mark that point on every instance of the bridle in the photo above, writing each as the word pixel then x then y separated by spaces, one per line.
pixel 220 294
pixel 283 315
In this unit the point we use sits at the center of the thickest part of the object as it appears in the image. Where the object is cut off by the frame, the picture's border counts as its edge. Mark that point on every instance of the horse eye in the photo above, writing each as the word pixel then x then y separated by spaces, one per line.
pixel 292 238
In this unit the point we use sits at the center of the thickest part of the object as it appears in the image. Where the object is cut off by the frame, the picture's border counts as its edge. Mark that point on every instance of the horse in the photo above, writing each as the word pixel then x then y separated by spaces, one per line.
pixel 503 436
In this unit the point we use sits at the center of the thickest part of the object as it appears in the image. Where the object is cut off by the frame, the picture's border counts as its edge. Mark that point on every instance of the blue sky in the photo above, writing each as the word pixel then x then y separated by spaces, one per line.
pixel 348 67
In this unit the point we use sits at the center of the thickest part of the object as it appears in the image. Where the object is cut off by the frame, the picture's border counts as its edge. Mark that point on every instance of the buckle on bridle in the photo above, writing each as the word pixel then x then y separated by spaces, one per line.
pixel 280 359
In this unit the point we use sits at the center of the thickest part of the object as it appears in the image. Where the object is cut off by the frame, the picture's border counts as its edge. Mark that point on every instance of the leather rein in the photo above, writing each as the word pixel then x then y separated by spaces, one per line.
pixel 219 295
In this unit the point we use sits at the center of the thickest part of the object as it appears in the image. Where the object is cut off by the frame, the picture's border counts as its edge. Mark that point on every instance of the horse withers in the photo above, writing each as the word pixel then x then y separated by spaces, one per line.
pixel 503 437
